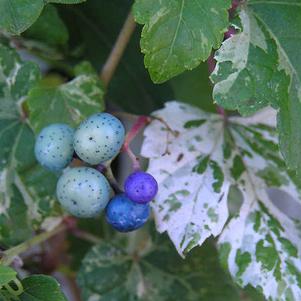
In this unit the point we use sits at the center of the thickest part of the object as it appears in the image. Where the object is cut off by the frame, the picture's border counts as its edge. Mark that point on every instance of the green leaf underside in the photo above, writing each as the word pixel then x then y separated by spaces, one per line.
pixel 41 288
pixel 109 273
pixel 179 34
pixel 191 204
pixel 21 197
pixel 18 15
pixel 261 66
pixel 49 28
pixel 68 103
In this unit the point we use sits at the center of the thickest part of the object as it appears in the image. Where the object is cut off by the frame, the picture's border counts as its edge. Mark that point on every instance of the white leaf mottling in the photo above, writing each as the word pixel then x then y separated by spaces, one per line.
pixel 260 244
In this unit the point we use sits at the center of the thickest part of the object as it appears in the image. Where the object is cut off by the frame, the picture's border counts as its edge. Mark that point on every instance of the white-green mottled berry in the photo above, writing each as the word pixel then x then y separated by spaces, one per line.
pixel 83 191
pixel 54 146
pixel 99 138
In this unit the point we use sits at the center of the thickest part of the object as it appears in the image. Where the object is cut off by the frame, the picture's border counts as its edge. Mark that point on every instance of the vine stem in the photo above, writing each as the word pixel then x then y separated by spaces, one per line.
pixel 123 39
pixel 138 125
pixel 86 236
pixel 8 255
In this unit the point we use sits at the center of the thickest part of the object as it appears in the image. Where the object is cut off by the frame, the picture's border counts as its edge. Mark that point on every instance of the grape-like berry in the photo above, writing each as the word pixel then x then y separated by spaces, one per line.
pixel 141 187
pixel 83 191
pixel 99 138
pixel 125 215
pixel 54 146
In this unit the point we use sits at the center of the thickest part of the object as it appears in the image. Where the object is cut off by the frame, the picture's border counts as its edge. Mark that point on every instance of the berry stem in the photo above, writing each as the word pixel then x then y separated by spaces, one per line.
pixel 123 39
pixel 138 125
pixel 110 176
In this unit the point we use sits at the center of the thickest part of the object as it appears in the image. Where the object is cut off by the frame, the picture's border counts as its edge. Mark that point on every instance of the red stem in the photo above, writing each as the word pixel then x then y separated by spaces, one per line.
pixel 211 63
pixel 138 125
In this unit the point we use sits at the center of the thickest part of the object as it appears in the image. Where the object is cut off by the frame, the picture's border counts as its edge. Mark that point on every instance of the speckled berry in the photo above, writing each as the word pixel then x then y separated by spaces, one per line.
pixel 140 187
pixel 99 138
pixel 125 215
pixel 83 191
pixel 54 146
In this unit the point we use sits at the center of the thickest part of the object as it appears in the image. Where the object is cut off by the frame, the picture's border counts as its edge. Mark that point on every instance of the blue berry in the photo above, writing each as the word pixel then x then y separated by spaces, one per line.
pixel 125 215
pixel 141 187
pixel 99 138
pixel 54 146
pixel 83 191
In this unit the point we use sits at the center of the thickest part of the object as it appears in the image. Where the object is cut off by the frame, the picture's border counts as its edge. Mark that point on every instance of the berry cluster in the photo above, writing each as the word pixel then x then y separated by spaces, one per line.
pixel 84 191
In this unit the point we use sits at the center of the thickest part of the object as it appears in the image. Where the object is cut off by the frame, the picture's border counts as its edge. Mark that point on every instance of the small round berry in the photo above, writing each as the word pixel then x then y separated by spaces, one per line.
pixel 54 146
pixel 125 215
pixel 99 138
pixel 83 191
pixel 140 187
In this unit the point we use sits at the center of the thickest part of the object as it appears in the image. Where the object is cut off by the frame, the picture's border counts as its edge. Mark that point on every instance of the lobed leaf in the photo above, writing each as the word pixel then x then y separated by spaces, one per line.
pixel 179 34
pixel 156 273
pixel 260 66
pixel 192 201
pixel 207 155
pixel 246 76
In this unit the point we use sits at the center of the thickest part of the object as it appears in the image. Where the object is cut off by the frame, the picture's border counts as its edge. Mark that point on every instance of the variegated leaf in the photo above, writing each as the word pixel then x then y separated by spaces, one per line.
pixel 246 76
pixel 260 66
pixel 195 162
pixel 192 201
pixel 70 103
pixel 24 203
pixel 109 271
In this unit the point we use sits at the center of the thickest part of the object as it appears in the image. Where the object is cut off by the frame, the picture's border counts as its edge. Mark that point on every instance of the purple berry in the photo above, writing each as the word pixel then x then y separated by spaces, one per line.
pixel 141 187
pixel 125 215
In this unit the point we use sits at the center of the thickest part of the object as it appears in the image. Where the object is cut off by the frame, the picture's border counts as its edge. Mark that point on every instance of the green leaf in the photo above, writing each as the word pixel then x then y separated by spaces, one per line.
pixel 20 209
pixel 49 28
pixel 157 273
pixel 282 19
pixel 259 244
pixel 7 274
pixel 68 103
pixel 41 288
pixel 179 34
pixel 246 76
pixel 18 15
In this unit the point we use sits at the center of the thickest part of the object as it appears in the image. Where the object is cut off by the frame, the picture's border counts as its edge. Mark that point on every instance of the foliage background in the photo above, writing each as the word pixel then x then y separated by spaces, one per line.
pixel 258 67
